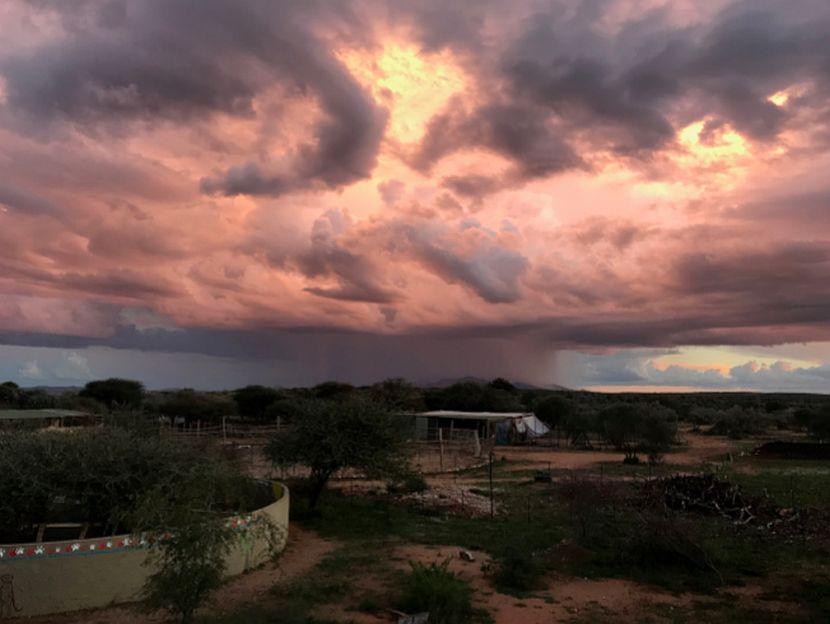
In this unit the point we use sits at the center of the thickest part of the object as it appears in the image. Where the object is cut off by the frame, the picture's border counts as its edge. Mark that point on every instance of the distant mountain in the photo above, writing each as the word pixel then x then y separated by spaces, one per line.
pixel 443 383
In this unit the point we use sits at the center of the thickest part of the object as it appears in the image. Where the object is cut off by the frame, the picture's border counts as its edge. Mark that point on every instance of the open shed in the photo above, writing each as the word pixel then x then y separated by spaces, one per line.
pixel 47 417
pixel 503 426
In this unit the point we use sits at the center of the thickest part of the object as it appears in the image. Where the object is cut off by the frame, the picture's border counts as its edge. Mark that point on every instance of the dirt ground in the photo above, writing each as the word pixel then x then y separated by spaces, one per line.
pixel 561 600
pixel 565 598
pixel 698 449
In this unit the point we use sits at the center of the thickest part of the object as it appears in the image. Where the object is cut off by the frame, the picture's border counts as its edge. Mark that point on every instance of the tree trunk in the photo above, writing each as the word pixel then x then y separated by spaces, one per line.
pixel 318 484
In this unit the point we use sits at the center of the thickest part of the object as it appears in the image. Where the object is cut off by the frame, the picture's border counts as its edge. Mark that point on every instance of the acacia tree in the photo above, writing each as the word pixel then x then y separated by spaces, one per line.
pixel 634 428
pixel 115 393
pixel 622 425
pixel 326 437
pixel 658 434
pixel 253 401
pixel 554 410
pixel 9 392
pixel 398 395
pixel 816 421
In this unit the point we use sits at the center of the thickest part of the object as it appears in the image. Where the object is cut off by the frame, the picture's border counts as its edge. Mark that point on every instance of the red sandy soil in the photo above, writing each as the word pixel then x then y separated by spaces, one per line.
pixel 565 598
pixel 699 448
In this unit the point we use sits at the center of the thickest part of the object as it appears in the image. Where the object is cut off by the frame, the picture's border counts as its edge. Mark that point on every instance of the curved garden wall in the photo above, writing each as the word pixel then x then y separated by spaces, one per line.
pixel 52 577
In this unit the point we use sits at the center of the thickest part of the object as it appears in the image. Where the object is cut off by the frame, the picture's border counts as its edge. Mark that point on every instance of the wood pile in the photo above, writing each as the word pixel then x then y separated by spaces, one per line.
pixel 708 495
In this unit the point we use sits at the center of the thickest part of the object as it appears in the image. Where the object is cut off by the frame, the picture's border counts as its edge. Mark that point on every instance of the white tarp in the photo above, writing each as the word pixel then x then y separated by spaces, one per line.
pixel 530 426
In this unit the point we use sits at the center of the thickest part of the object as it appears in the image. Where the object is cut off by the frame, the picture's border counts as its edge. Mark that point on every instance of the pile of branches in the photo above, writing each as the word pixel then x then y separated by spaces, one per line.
pixel 708 495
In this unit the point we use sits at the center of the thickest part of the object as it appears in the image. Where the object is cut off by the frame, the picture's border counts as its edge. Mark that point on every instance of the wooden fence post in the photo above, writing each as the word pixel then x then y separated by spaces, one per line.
pixel 441 447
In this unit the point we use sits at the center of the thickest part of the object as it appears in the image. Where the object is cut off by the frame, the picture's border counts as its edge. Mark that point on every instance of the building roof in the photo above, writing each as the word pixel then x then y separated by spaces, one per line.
pixel 474 415
pixel 39 414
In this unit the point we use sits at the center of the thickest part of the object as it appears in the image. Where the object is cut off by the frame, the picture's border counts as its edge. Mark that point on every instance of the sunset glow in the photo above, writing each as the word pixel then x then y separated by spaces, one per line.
pixel 414 86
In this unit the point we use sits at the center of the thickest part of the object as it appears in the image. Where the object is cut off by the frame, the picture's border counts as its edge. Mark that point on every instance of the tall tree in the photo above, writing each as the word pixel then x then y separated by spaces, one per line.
pixel 115 393
pixel 253 401
pixel 398 395
pixel 328 437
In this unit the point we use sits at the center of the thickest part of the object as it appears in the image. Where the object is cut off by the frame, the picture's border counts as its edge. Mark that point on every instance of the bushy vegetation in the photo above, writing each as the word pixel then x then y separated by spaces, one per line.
pixel 518 567
pixel 254 401
pixel 578 418
pixel 121 480
pixel 195 406
pixel 436 590
pixel 194 537
pixel 101 477
pixel 816 421
pixel 738 423
pixel 117 481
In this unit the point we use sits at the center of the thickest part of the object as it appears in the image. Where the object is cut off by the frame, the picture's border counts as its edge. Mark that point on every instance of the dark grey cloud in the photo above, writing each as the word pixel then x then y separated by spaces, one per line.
pixel 303 356
pixel 119 283
pixel 490 270
pixel 799 208
pixel 473 186
pixel 23 201
pixel 328 258
pixel 560 84
pixel 794 270
pixel 519 132
pixel 182 60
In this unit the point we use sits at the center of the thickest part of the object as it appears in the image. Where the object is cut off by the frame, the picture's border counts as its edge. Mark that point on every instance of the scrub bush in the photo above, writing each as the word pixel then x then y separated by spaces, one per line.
pixel 435 589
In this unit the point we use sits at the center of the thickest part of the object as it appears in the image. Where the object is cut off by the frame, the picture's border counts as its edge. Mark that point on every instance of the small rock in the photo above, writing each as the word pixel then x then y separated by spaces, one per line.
pixel 466 555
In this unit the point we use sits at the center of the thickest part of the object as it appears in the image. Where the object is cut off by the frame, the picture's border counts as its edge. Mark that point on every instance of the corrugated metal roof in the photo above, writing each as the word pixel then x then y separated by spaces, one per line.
pixel 474 415
pixel 39 414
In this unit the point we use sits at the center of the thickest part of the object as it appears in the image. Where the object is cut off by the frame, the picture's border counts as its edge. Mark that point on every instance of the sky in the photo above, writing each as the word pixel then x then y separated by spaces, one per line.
pixel 605 194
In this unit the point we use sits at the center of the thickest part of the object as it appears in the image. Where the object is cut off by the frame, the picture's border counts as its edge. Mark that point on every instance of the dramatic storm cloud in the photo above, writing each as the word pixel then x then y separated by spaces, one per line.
pixel 601 193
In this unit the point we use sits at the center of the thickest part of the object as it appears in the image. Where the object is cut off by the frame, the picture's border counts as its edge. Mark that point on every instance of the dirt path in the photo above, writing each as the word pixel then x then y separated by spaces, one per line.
pixel 304 551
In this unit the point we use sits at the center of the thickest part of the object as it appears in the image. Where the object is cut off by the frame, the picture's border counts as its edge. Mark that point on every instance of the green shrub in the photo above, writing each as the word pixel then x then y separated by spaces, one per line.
pixel 656 544
pixel 738 423
pixel 519 569
pixel 435 589
pixel 96 476
pixel 368 605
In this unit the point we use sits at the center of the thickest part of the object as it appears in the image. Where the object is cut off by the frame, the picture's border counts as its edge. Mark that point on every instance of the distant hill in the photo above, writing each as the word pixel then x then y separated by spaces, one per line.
pixel 443 383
